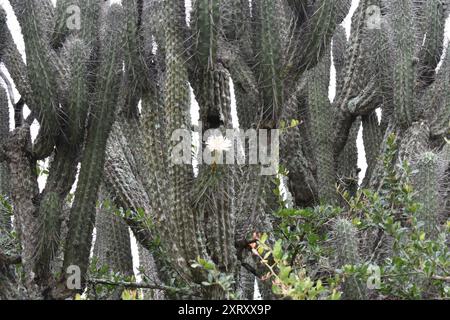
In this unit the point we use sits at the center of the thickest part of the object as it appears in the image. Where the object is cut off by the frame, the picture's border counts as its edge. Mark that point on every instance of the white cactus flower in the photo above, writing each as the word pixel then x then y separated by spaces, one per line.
pixel 218 143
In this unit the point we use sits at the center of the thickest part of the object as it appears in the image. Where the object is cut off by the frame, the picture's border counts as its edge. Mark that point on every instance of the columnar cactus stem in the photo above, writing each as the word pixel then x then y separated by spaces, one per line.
pixel 207 26
pixel 4 131
pixel 216 188
pixel 438 96
pixel 82 216
pixel 269 58
pixel 432 24
pixel 215 206
pixel 12 59
pixel 24 191
pixel 372 136
pixel 62 173
pixel 340 44
pixel 316 27
pixel 76 55
pixel 405 68
pixel 62 15
pixel 112 241
pixel 347 168
pixel 109 93
pixel 176 101
pixel 120 173
pixel 43 66
pixel 236 25
pixel 137 70
pixel 427 181
pixel 320 108
pixel 345 243
pixel 354 59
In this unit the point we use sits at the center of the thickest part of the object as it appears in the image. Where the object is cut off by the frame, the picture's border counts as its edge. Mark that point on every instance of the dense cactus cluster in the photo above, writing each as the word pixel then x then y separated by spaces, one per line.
pixel 109 92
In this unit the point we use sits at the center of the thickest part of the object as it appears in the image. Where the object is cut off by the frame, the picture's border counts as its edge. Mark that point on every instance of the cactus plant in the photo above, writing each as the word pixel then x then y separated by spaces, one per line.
pixel 345 241
pixel 428 187
pixel 109 93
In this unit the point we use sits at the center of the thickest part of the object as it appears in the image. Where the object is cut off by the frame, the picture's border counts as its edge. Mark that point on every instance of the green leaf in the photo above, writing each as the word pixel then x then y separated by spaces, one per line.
pixel 277 250
pixel 285 271
pixel 264 238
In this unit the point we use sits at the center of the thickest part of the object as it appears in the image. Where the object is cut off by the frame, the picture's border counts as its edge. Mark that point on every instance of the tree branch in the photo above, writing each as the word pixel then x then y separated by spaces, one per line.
pixel 137 285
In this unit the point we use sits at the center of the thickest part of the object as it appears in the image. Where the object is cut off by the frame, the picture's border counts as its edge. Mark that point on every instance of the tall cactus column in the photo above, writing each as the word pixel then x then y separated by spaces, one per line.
pixel 82 215
pixel 25 192
pixel 427 181
pixel 405 68
pixel 321 126
pixel 177 102
pixel 4 131
pixel 345 243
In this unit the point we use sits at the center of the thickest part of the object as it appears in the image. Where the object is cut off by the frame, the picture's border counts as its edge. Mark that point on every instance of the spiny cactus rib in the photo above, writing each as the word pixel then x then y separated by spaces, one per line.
pixel 405 68
pixel 62 16
pixel 82 216
pixel 319 108
pixel 348 161
pixel 62 173
pixel 269 59
pixel 136 70
pixel 317 31
pixel 3 30
pixel 356 56
pixel 206 28
pixel 49 228
pixel 415 140
pixel 433 22
pixel 147 263
pixel 438 96
pixel 153 18
pixel 43 66
pixel 46 13
pixel 128 189
pixel 176 101
pixel 154 156
pixel 4 132
pixel 147 26
pixel 340 44
pixel 112 246
pixel 13 61
pixel 48 17
pixel 428 194
pixel 24 191
pixel 91 20
pixel 295 150
pixel 112 249
pixel 246 90
pixel 235 22
pixel 120 176
pixel 372 136
pixel 215 192
pixel 345 243
pixel 76 54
